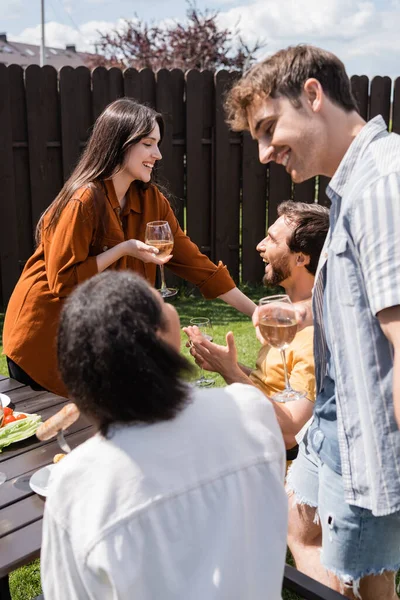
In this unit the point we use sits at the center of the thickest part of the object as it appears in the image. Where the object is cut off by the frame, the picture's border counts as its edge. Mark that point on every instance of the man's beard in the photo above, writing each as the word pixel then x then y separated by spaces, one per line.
pixel 280 271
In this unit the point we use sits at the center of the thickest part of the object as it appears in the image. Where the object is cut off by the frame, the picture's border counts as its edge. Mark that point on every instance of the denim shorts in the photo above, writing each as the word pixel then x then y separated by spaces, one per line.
pixel 355 543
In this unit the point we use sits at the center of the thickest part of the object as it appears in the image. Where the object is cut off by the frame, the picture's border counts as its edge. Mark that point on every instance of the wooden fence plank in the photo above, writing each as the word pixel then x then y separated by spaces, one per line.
pixel 279 189
pixel 132 85
pixel 116 84
pixel 170 174
pixel 360 89
pixel 305 192
pixel 52 124
pixel 396 107
pixel 21 165
pixel 101 91
pixel 380 98
pixel 228 160
pixel 199 124
pixel 148 87
pixel 8 213
pixel 254 207
pixel 76 114
pixel 44 137
pixel 69 117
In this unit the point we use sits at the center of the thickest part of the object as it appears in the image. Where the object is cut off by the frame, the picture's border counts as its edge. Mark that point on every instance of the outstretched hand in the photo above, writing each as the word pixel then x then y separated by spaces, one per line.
pixel 145 253
pixel 211 356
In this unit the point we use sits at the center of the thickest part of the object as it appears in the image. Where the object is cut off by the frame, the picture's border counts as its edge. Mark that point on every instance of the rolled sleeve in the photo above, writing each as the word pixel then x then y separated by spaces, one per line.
pixel 377 227
pixel 190 264
pixel 66 252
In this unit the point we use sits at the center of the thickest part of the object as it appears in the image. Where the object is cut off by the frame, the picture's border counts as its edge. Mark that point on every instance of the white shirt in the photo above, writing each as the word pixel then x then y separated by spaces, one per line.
pixel 188 509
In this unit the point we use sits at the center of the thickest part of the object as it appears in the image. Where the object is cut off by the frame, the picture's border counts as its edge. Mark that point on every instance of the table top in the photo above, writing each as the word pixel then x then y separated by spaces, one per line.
pixel 21 510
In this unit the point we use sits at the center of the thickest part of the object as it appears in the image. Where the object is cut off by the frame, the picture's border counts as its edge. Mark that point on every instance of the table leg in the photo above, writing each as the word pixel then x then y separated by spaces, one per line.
pixel 4 589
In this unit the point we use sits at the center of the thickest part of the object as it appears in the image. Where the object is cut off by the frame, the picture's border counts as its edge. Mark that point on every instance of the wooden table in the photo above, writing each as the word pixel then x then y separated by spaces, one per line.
pixel 21 510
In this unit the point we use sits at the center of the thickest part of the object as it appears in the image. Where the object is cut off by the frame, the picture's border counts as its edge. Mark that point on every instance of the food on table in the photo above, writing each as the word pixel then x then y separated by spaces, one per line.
pixel 58 457
pixel 8 419
pixel 61 420
pixel 17 427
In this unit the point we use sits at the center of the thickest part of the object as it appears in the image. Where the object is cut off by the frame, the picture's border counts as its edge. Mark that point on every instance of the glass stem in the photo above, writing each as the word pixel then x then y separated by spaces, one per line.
pixel 287 384
pixel 163 284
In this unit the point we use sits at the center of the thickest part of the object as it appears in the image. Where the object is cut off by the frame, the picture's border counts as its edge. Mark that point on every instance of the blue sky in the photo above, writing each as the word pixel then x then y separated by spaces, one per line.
pixel 364 34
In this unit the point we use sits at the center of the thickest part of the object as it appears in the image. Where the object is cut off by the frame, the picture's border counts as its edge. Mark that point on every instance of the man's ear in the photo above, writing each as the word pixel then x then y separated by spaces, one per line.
pixel 302 260
pixel 314 94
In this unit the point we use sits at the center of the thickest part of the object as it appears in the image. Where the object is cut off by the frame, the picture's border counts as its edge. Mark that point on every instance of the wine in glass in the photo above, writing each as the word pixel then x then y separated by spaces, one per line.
pixel 205 327
pixel 3 476
pixel 159 235
pixel 278 327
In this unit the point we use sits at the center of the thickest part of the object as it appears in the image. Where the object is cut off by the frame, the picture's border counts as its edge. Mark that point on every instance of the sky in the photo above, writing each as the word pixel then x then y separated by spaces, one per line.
pixel 364 34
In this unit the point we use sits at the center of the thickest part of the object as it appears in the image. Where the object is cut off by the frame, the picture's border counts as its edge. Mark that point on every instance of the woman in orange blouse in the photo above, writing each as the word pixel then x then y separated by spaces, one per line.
pixel 96 222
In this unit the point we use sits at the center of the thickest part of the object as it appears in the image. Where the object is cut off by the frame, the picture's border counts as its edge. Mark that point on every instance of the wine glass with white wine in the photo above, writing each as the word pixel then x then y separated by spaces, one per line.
pixel 278 326
pixel 205 327
pixel 159 235
pixel 3 476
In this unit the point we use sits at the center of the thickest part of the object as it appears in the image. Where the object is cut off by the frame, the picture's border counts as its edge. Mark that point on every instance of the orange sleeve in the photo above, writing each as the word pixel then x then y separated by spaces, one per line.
pixel 66 249
pixel 190 264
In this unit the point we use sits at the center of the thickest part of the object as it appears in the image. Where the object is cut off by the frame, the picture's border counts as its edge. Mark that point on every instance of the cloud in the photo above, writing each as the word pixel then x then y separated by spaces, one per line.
pixel 58 35
pixel 364 34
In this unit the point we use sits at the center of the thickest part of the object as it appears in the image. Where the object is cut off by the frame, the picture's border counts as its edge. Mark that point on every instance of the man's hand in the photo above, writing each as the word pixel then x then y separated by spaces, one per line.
pixel 213 357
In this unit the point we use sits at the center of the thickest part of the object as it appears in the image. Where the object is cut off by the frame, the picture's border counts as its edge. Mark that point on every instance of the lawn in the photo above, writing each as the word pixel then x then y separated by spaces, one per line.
pixel 25 582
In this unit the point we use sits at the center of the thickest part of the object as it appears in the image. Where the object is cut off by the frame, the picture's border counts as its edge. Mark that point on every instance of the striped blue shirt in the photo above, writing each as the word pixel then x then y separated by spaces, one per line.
pixel 362 250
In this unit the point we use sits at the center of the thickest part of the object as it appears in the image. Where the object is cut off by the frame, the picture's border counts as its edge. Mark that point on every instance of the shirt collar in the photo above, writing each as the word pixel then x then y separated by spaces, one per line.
pixel 372 129
pixel 132 197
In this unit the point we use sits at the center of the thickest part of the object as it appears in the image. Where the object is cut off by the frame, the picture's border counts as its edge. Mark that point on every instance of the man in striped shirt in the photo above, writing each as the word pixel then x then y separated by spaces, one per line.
pixel 344 524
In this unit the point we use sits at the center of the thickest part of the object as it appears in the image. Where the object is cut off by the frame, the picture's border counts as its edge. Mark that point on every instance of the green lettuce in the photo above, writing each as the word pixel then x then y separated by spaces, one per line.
pixel 19 430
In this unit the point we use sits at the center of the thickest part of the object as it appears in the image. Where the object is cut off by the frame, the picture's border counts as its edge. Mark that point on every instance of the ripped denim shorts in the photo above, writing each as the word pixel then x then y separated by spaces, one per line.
pixel 355 543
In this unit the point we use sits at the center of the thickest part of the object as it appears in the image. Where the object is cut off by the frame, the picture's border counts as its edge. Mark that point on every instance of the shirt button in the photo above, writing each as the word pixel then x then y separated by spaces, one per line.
pixel 105 248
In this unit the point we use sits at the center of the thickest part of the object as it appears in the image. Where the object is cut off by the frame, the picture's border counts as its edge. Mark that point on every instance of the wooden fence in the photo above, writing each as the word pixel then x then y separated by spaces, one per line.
pixel 224 196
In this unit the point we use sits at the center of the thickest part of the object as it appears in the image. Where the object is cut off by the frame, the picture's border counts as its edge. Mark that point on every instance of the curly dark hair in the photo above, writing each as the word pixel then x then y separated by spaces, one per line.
pixel 284 74
pixel 113 364
pixel 310 224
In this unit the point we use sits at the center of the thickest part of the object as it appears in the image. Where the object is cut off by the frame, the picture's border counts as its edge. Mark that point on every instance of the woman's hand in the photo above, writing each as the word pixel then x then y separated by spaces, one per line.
pixel 144 252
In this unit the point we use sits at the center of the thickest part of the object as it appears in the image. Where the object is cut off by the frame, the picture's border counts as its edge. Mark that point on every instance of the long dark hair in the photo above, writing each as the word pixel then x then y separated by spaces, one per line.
pixel 123 123
pixel 114 365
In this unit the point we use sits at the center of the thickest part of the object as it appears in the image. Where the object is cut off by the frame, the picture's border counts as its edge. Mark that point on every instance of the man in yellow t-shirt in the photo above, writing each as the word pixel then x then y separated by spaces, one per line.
pixel 291 251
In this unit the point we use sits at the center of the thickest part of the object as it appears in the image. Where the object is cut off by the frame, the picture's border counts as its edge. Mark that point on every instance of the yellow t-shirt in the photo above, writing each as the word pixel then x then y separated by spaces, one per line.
pixel 269 374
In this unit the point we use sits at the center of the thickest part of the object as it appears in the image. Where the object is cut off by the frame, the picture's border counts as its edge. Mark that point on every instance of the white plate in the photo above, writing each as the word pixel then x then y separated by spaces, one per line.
pixel 39 481
pixel 5 400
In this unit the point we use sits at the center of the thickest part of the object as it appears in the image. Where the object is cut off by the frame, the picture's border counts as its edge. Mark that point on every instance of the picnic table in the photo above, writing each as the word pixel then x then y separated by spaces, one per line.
pixel 21 510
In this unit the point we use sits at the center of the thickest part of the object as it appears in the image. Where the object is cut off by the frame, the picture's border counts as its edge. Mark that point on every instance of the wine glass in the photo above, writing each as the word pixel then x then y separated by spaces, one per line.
pixel 205 327
pixel 278 326
pixel 159 235
pixel 3 476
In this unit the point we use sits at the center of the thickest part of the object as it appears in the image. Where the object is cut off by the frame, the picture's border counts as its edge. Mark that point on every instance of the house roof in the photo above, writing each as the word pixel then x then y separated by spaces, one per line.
pixel 18 53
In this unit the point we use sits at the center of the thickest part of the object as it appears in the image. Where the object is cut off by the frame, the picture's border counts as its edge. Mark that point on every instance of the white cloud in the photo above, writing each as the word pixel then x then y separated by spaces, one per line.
pixel 363 35
pixel 59 35
pixel 365 38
